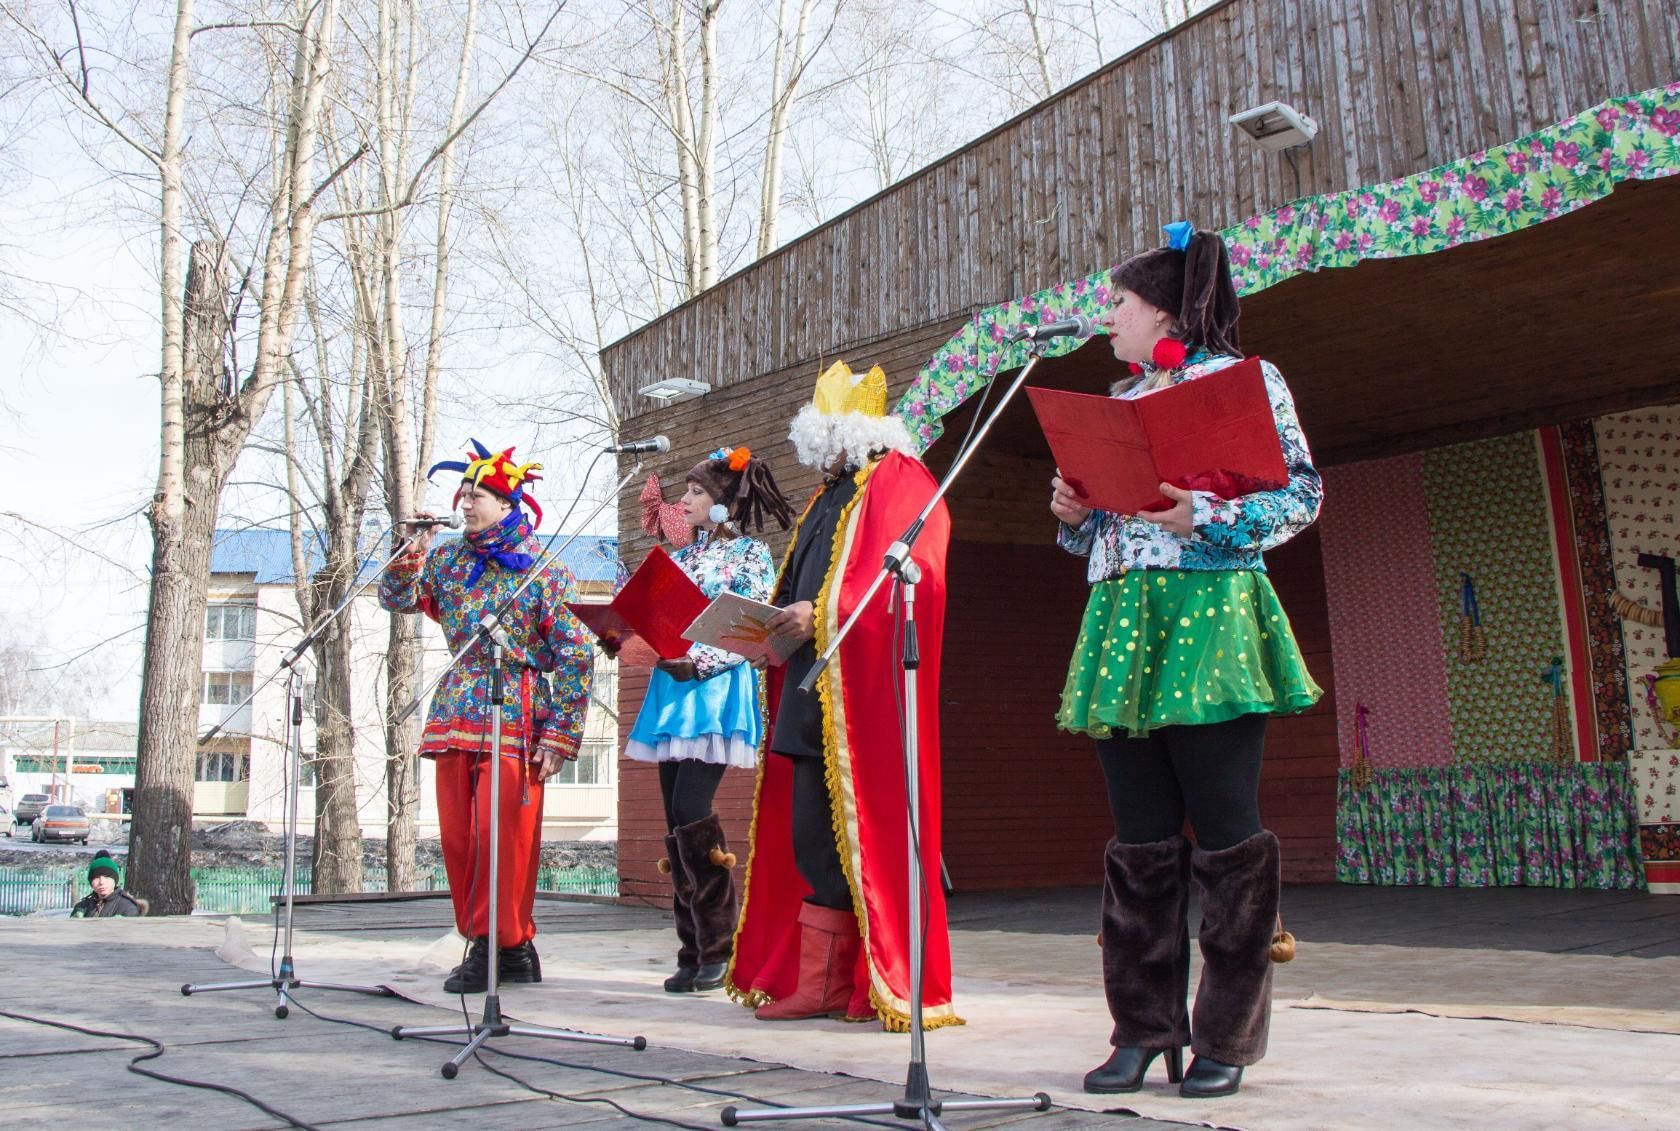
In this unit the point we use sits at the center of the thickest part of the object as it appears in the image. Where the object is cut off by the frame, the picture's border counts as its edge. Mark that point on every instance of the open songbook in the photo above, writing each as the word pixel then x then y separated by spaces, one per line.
pixel 738 624
pixel 656 605
pixel 1214 433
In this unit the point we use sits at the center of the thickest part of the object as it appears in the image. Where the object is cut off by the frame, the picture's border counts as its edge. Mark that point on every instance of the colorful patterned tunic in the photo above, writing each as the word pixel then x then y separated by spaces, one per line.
pixel 714 718
pixel 549 658
pixel 1228 533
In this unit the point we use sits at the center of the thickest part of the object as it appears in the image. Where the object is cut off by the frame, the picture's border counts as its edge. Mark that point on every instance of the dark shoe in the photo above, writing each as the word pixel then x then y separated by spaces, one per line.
pixel 473 975
pixel 519 964
pixel 710 976
pixel 1208 1078
pixel 682 982
pixel 1124 1070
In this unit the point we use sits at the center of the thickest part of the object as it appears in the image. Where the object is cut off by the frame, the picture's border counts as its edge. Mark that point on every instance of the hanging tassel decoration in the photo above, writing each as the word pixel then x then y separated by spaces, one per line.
pixel 1361 772
pixel 1472 640
pixel 1563 750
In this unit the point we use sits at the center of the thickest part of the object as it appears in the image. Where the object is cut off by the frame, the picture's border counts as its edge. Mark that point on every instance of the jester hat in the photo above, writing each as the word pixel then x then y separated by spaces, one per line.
pixel 494 471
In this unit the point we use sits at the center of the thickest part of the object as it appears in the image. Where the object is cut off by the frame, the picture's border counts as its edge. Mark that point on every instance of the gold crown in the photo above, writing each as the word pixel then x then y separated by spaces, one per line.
pixel 840 391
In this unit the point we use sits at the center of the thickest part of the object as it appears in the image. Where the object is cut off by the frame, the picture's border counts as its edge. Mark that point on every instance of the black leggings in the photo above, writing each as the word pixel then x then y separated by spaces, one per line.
pixel 814 851
pixel 688 786
pixel 1210 773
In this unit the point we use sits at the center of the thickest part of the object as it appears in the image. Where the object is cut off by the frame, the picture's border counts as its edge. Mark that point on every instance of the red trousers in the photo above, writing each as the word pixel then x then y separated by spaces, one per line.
pixel 463 786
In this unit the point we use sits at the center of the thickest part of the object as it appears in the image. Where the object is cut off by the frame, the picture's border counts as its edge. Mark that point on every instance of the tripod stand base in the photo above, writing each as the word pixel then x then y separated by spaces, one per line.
pixel 494 1026
pixel 926 1111
pixel 283 984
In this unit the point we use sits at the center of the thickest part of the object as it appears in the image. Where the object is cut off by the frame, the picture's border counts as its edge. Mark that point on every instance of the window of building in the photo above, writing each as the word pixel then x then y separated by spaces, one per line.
pixel 226 688
pixel 593 765
pixel 604 688
pixel 223 766
pixel 230 622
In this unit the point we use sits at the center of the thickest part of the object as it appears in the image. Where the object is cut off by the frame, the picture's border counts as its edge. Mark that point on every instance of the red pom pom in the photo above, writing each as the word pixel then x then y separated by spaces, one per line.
pixel 1169 353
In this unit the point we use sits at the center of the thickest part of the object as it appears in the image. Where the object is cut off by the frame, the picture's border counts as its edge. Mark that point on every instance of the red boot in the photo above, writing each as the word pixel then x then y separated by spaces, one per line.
pixel 828 953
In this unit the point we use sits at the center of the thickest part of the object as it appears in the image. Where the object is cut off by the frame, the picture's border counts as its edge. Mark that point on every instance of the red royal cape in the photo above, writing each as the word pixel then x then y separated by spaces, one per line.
pixel 864 757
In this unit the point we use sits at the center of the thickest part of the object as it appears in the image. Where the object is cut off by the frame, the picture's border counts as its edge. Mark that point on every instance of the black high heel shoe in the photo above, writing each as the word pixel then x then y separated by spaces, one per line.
pixel 1124 1069
pixel 1208 1078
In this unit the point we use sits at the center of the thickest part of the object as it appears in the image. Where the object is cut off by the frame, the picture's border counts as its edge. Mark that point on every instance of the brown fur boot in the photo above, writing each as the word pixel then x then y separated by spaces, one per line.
pixel 682 913
pixel 1240 887
pixel 1146 959
pixel 713 905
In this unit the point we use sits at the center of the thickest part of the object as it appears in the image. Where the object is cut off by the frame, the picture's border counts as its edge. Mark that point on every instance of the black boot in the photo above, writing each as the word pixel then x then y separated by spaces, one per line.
pixel 682 915
pixel 1125 1068
pixel 1209 1078
pixel 473 975
pixel 1146 960
pixel 707 860
pixel 1240 887
pixel 518 963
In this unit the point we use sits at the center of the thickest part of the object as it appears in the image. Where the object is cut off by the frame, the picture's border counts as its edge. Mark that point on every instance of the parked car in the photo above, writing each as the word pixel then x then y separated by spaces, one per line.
pixel 28 807
pixel 61 822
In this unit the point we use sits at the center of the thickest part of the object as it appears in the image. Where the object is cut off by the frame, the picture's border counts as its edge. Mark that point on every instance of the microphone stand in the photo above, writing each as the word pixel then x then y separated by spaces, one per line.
pixel 285 978
pixel 917 1102
pixel 491 632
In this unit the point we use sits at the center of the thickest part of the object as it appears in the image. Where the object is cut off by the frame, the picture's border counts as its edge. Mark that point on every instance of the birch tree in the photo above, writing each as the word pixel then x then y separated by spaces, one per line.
pixel 207 405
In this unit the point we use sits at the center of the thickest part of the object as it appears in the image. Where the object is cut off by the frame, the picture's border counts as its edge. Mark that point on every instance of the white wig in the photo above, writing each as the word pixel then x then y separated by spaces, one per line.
pixel 819 438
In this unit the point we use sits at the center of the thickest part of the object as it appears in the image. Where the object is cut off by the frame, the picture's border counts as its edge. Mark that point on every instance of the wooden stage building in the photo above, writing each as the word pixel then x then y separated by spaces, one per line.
pixel 1467 278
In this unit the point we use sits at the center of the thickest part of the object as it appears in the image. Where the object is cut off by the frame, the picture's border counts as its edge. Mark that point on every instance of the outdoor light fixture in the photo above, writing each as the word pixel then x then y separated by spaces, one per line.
pixel 674 389
pixel 1275 126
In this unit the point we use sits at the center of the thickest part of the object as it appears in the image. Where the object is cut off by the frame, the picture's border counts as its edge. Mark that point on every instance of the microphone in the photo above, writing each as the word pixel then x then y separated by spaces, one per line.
pixel 1078 326
pixel 636 447
pixel 452 521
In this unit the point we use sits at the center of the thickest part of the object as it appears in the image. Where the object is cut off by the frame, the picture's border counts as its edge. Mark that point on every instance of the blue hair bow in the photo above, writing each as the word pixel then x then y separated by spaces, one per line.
pixel 1178 234
pixel 721 453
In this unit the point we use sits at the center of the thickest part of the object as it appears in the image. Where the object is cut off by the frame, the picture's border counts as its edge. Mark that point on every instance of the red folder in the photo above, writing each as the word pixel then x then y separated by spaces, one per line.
pixel 1214 433
pixel 657 604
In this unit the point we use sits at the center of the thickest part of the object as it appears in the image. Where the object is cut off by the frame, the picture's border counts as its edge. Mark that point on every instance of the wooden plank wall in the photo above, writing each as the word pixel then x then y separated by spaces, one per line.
pixel 1078 182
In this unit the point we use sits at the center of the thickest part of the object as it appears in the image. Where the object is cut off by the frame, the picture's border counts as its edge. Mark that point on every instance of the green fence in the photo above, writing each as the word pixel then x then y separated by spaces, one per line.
pixel 243 891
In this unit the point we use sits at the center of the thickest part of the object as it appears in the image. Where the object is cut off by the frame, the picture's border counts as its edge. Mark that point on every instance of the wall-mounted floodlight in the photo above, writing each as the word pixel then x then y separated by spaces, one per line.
pixel 1276 125
pixel 674 389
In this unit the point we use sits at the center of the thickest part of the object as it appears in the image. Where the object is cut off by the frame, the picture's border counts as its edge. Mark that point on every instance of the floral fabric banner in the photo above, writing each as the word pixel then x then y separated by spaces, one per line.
pixel 1491 193
pixel 1491 825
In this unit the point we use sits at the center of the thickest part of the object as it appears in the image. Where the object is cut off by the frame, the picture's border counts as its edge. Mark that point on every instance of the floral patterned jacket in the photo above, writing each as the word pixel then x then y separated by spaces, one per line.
pixel 549 658
pixel 1227 534
pixel 726 565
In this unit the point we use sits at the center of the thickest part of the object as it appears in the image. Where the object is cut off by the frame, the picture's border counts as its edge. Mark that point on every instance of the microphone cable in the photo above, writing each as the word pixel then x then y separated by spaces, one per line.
pixel 158 1048
pixel 644 1077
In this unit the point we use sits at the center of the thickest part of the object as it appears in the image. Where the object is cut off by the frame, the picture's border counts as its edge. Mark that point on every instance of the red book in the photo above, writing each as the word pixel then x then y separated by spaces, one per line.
pixel 1214 433
pixel 657 604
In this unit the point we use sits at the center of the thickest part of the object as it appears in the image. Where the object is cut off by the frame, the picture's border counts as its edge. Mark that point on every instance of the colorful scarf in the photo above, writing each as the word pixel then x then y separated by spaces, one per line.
pixel 498 542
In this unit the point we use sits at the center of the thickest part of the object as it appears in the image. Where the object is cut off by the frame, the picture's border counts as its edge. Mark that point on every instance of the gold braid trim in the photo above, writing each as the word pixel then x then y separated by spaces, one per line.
pixel 893 1012
pixel 753 998
pixel 835 751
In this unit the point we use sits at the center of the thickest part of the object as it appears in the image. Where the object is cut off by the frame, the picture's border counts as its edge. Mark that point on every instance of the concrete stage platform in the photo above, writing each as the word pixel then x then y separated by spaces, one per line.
pixel 1509 1008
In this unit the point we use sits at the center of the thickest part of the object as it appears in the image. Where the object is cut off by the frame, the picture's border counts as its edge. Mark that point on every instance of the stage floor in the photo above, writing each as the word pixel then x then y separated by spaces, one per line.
pixel 1406 1008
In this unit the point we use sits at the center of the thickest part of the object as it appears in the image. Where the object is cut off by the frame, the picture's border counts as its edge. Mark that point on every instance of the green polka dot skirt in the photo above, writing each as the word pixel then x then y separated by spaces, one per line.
pixel 1164 648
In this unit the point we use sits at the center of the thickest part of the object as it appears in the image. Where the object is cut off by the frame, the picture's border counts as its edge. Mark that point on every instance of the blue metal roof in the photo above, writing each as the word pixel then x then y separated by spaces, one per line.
pixel 268 554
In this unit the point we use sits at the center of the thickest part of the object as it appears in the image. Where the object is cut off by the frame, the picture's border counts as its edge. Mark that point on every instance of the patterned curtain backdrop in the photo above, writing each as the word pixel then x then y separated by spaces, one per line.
pixel 1501 706
pixel 1492 193
pixel 1491 825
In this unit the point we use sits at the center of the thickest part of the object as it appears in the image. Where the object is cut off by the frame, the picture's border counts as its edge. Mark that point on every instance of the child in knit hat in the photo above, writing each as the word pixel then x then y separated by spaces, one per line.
pixel 107 897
